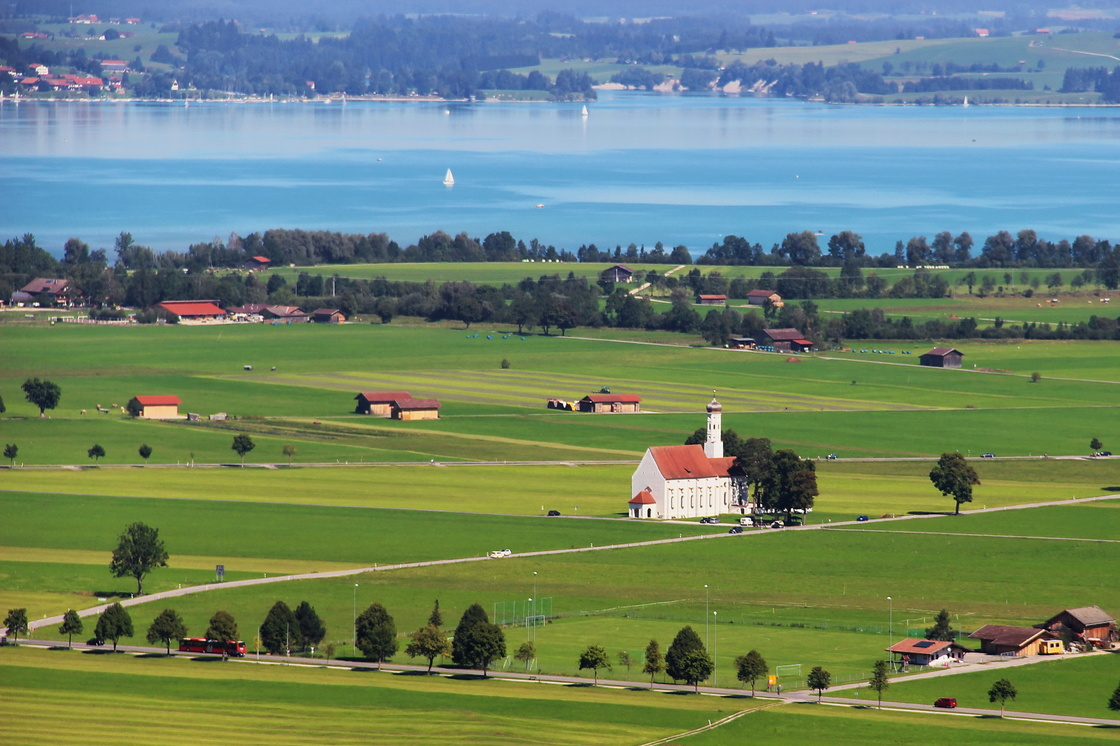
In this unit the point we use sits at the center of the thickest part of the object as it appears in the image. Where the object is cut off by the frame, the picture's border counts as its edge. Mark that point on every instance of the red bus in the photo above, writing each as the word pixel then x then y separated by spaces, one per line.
pixel 234 648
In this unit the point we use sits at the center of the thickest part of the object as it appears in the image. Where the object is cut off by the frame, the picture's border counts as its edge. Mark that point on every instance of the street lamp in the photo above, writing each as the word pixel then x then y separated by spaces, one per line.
pixel 715 647
pixel 707 641
pixel 527 623
pixel 890 624
pixel 354 641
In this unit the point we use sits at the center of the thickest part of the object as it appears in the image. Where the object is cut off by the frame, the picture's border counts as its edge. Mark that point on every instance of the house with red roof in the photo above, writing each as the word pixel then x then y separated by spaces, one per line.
pixel 600 403
pixel 912 651
pixel 397 405
pixel 59 292
pixel 255 263
pixel 689 481
pixel 155 407
pixel 786 340
pixel 764 297
pixel 711 300
pixel 192 310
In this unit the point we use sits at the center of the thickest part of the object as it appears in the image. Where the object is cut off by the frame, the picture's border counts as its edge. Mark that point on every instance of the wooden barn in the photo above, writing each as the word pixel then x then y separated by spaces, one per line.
pixel 942 357
pixel 415 409
pixel 155 407
pixel 328 316
pixel 600 403
pixel 617 273
pixel 257 263
pixel 786 340
pixel 998 639
pixel 711 300
pixel 764 297
pixel 1090 625
pixel 193 310
pixel 379 403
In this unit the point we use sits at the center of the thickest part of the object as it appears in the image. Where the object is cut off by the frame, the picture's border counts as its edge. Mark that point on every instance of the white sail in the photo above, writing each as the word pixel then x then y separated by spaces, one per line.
pixel 584 112
pixel 449 180
pixel 965 101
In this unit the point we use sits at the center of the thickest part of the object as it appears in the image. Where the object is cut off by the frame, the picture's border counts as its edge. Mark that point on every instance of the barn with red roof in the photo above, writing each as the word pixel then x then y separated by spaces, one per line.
pixel 162 407
pixel 193 310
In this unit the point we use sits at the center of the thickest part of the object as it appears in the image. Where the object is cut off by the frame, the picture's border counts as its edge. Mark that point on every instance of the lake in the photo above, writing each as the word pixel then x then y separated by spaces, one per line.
pixel 639 168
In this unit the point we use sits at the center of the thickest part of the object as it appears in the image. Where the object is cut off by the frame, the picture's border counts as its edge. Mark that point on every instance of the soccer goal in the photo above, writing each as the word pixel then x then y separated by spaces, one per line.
pixel 784 672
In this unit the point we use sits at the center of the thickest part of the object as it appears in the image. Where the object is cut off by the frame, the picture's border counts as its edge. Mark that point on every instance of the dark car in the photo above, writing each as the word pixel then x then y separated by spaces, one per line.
pixel 712 519
pixel 1103 453
pixel 831 457
pixel 987 455
pixel 947 702
pixel 862 518
pixel 554 512
pixel 95 642
pixel 777 524
pixel 735 530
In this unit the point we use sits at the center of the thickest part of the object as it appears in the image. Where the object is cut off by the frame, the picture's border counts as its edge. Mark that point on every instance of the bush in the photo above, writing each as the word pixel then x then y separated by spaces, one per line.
pixel 505 364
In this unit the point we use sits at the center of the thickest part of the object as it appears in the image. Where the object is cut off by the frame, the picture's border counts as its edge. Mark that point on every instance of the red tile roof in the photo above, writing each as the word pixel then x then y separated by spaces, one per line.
pixel 157 401
pixel 760 293
pixel 262 260
pixel 643 498
pixel 413 404
pixel 384 397
pixel 919 646
pixel 684 462
pixel 610 398
pixel 192 308
pixel 46 285
pixel 713 297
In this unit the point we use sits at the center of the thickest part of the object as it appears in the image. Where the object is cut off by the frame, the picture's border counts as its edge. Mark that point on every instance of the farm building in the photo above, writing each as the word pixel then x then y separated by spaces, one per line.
pixel 764 297
pixel 415 409
pixel 192 310
pixel 741 343
pixel 379 403
pixel 155 407
pixel 285 314
pixel 942 357
pixel 328 316
pixel 786 340
pixel 1091 625
pixel 257 263
pixel 689 481
pixel 711 300
pixel 617 273
pixel 249 309
pixel 917 652
pixel 997 639
pixel 61 293
pixel 600 403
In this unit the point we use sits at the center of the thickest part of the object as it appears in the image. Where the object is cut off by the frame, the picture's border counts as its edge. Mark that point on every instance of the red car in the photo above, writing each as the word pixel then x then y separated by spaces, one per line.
pixel 947 702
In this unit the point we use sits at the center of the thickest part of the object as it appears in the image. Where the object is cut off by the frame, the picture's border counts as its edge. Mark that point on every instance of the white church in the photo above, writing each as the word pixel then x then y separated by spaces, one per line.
pixel 690 481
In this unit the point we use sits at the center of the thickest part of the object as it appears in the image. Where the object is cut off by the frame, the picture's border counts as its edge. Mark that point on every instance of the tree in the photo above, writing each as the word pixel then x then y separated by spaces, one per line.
pixel 790 484
pixel 880 679
pixel 167 626
pixel 223 628
pixel 1114 700
pixel 71 625
pixel 942 628
pixel 435 618
pixel 1095 445
pixel 16 622
pixel 145 452
pixel 687 659
pixel 477 642
pixel 625 659
pixel 134 407
pixel 428 642
pixel 953 476
pixel 655 662
pixel 113 624
pixel 751 667
pixel 594 657
pixel 242 444
pixel 377 633
pixel 525 654
pixel 139 551
pixel 3 409
pixel 311 629
pixel 11 450
pixel 820 680
pixel 43 394
pixel 96 452
pixel 1002 691
pixel 289 449
pixel 279 628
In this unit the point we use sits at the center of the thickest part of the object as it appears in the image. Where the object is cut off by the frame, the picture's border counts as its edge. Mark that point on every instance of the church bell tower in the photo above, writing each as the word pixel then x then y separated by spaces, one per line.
pixel 713 445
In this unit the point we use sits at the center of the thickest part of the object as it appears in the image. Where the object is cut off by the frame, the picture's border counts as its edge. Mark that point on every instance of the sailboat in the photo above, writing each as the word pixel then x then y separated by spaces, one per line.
pixel 965 104
pixel 449 180
pixel 584 112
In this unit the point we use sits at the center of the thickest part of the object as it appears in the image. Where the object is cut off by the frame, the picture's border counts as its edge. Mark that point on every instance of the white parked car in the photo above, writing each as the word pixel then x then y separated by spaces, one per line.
pixel 499 553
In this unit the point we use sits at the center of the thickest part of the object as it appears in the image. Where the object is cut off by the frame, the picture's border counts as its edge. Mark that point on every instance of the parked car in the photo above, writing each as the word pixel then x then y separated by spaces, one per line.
pixel 831 457
pixel 95 642
pixel 499 553
pixel 554 512
pixel 1103 453
pixel 987 455
pixel 711 519
pixel 735 530
pixel 777 524
pixel 862 518
pixel 947 702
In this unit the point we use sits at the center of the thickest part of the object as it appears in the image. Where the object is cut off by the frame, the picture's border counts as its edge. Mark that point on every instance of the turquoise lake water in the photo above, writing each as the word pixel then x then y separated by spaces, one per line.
pixel 640 168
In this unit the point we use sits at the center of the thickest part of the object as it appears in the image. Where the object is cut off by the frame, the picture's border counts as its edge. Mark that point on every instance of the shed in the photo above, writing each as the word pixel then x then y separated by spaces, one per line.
pixel 285 314
pixel 920 652
pixel 379 403
pixel 257 263
pixel 1088 624
pixel 997 639
pixel 642 505
pixel 415 409
pixel 617 273
pixel 787 340
pixel 600 403
pixel 156 407
pixel 328 316
pixel 741 343
pixel 764 297
pixel 942 357
pixel 193 310
pixel 711 300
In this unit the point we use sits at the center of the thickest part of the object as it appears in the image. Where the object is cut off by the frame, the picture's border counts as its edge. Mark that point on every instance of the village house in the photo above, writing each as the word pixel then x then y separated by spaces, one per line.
pixel 1089 625
pixel 600 403
pixel 942 357
pixel 255 263
pixel 617 273
pixel 192 310
pixel 764 297
pixel 998 639
pixel 918 652
pixel 786 340
pixel 689 481
pixel 285 314
pixel 155 407
pixel 58 293
pixel 328 316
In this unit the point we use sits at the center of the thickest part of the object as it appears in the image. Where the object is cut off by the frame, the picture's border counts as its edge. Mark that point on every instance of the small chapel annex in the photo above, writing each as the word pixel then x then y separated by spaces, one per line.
pixel 690 481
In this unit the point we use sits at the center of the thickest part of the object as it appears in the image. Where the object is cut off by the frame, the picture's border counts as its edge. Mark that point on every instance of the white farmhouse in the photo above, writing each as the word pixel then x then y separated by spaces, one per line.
pixel 689 481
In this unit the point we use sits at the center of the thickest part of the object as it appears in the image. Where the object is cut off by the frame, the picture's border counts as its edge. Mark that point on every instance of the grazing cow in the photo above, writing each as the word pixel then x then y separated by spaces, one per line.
pixel 83 411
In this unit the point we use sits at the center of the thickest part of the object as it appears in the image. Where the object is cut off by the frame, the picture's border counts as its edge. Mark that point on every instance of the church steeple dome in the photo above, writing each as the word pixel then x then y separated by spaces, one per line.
pixel 713 444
